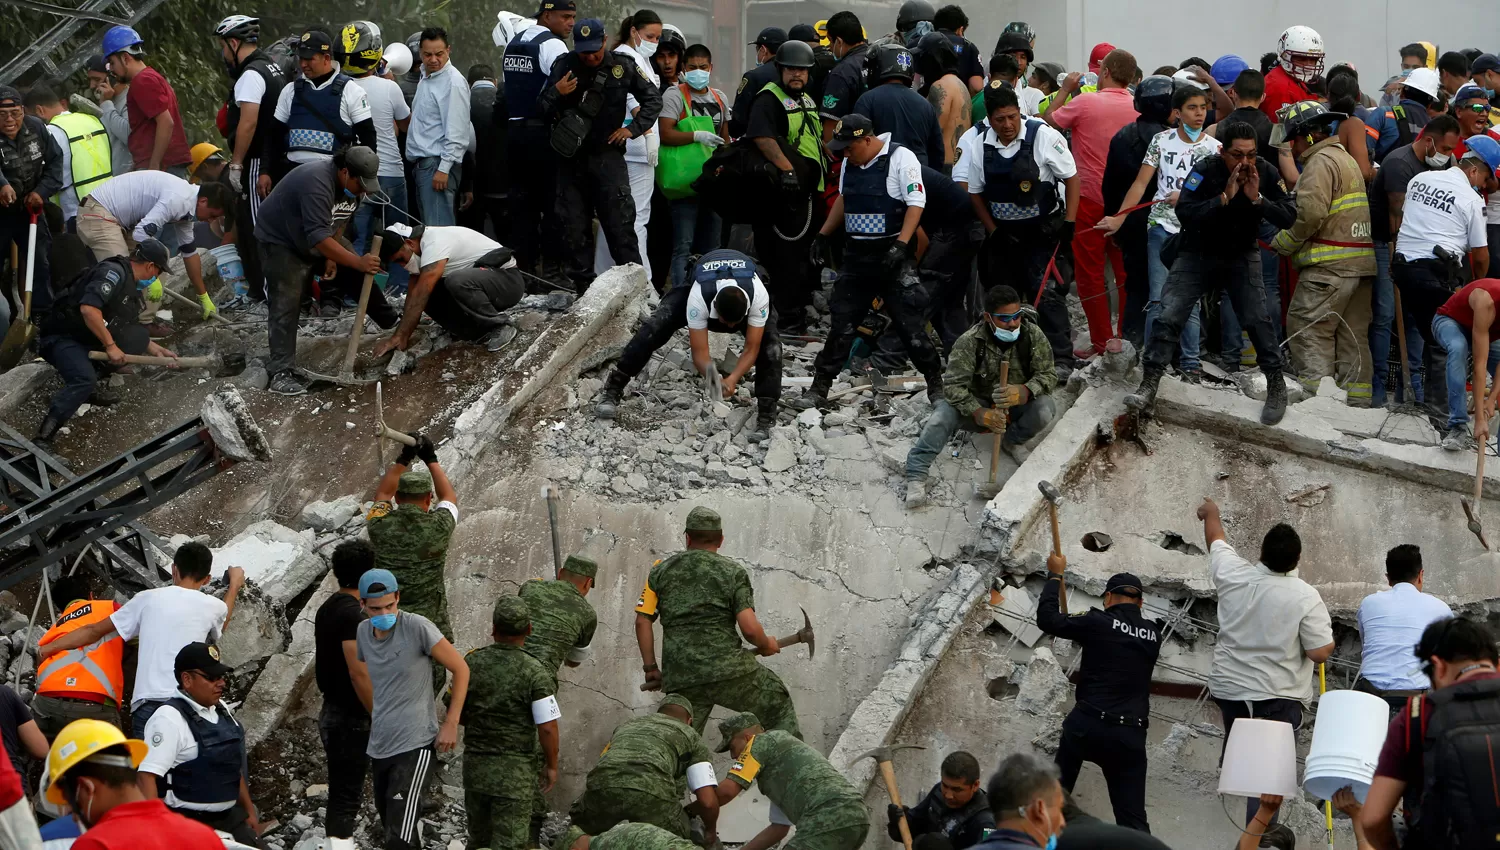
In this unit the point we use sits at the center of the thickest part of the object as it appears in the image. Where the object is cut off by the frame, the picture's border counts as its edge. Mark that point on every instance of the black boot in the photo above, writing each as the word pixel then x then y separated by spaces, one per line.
pixel 609 397
pixel 102 397
pixel 1275 398
pixel 814 396
pixel 1143 401
pixel 934 389
pixel 46 432
pixel 765 420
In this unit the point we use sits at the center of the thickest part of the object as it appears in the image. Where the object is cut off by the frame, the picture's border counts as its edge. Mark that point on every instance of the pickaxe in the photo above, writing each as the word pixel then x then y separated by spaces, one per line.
pixel 1054 498
pixel 882 756
pixel 991 488
pixel 1471 506
pixel 802 635
pixel 224 366
pixel 385 432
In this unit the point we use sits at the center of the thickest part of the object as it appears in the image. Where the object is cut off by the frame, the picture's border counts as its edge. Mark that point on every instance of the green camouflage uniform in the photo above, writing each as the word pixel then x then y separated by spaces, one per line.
pixel 627 836
pixel 973 371
pixel 501 748
pixel 697 595
pixel 562 621
pixel 640 776
pixel 828 813
pixel 413 545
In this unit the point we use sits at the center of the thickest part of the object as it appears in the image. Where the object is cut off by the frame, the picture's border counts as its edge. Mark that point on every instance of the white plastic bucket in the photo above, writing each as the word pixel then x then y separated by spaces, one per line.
pixel 1260 758
pixel 1346 743
pixel 231 270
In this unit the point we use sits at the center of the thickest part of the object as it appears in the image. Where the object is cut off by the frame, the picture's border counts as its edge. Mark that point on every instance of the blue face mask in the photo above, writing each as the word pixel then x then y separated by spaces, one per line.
pixel 347 193
pixel 697 78
pixel 1489 94
pixel 1191 133
pixel 384 622
pixel 1007 334
pixel 1052 841
pixel 142 284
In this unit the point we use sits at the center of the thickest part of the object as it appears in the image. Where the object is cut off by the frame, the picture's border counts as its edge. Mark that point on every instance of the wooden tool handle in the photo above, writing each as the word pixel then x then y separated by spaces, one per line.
pixel 1056 534
pixel 359 314
pixel 995 449
pixel 153 360
pixel 1479 475
pixel 888 774
pixel 392 434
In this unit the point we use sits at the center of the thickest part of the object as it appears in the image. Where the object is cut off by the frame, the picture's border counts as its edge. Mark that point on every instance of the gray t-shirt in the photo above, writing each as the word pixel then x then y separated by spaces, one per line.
pixel 405 714
pixel 704 104
pixel 305 208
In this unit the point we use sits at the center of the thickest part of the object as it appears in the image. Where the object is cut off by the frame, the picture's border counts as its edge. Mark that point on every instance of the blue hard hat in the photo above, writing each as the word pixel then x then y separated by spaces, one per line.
pixel 119 39
pixel 1226 68
pixel 1484 148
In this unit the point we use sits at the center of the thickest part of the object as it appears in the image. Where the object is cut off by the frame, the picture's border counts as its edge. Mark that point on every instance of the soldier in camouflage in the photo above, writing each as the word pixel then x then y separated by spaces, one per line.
pixel 972 396
pixel 804 789
pixel 510 724
pixel 638 777
pixel 411 535
pixel 701 597
pixel 626 836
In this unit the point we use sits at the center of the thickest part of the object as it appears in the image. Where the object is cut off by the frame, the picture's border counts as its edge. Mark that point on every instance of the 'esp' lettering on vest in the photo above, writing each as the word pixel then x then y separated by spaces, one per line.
pixel 1138 632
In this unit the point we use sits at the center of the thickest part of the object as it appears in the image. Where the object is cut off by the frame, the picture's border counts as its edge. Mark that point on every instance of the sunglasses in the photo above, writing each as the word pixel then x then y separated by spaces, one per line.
pixel 205 677
pixel 1006 317
pixel 1476 107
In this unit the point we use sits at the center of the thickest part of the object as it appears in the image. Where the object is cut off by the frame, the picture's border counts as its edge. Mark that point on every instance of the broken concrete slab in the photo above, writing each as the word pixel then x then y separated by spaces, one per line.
pixel 232 427
pixel 257 630
pixel 1044 686
pixel 1015 614
pixel 280 561
pixel 330 516
pixel 21 383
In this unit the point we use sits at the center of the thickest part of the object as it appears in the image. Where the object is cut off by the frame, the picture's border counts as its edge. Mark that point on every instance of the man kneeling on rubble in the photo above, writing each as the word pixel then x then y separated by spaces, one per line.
pixel 724 295
pixel 956 808
pixel 1022 408
pixel 461 278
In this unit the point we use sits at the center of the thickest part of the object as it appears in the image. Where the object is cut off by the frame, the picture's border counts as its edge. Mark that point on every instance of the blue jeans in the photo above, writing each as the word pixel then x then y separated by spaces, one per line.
pixel 1453 338
pixel 437 208
pixel 365 225
pixel 695 230
pixel 1156 237
pixel 1026 422
pixel 1382 321
pixel 1270 277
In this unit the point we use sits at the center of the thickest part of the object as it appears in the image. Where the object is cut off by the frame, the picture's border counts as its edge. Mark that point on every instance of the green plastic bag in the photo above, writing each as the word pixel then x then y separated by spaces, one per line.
pixel 678 166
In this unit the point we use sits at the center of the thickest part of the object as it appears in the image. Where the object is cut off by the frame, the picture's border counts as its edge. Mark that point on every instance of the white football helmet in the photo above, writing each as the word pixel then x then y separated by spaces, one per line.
pixel 1304 44
pixel 508 27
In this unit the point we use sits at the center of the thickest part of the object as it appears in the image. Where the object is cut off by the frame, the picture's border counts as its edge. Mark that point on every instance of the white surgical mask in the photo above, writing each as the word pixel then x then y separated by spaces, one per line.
pixel 1438 160
pixel 646 48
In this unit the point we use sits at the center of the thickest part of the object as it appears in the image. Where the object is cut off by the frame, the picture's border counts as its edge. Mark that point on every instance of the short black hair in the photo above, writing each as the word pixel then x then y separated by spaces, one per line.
pixel 1415 50
pixel 218 196
pixel 696 50
pixel 1471 53
pixel 845 25
pixel 1234 130
pixel 1343 93
pixel 480 71
pixel 999 98
pixel 434 34
pixel 950 17
pixel 1182 94
pixel 1250 84
pixel 69 589
pixel 960 765
pixel 999 296
pixel 40 94
pixel 1453 63
pixel 193 561
pixel 1020 780
pixel 1341 69
pixel 1403 563
pixel 702 537
pixel 352 559
pixel 1441 125
pixel 1195 61
pixel 1279 837
pixel 1457 639
pixel 1004 65
pixel 1267 62
pixel 732 305
pixel 1281 549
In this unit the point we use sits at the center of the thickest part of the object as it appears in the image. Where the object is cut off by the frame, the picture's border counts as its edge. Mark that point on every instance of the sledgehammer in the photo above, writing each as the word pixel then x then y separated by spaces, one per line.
pixel 882 756
pixel 1054 498
pixel 225 366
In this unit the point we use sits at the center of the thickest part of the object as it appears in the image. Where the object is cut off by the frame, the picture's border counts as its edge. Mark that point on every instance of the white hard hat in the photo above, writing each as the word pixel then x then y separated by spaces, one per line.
pixel 397 58
pixel 1186 76
pixel 508 27
pixel 1303 42
pixel 1424 80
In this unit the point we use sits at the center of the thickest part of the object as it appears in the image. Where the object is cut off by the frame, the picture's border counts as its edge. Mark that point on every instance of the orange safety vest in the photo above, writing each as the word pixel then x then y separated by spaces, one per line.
pixel 94 672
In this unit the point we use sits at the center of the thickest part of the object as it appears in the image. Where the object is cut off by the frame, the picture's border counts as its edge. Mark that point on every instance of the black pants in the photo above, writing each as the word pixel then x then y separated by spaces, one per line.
pixel 1424 288
pixel 1285 710
pixel 468 303
pixel 494 209
pixel 940 299
pixel 1195 275
pixel 671 316
pixel 234 820
pixel 787 261
pixel 400 786
pixel 346 736
pixel 1120 751
pixel 245 215
pixel 69 355
pixel 1131 238
pixel 15 226
pixel 532 230
pixel 289 277
pixel 596 184
pixel 865 276
pixel 1016 255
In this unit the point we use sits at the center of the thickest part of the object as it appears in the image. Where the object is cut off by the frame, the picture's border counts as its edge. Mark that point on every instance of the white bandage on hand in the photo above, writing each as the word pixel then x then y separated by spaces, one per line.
pixel 545 710
pixel 701 775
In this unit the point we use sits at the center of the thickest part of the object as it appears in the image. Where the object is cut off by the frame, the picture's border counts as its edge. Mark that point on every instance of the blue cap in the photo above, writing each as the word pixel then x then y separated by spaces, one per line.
pixel 1485 149
pixel 376 583
pixel 1226 68
pixel 588 36
pixel 1470 92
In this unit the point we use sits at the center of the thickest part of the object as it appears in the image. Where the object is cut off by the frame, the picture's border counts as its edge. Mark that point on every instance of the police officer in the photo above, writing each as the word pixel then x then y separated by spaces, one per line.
pixel 911 13
pixel 1112 704
pixel 99 311
pixel 318 114
pixel 1014 189
pixel 783 111
pixel 754 80
pixel 534 229
pixel 510 728
pixel 823 59
pixel 198 747
pixel 589 134
pixel 255 89
pixel 84 144
pixel 638 774
pixel 30 170
pixel 880 205
pixel 895 109
pixel 725 296
pixel 847 81
pixel 705 603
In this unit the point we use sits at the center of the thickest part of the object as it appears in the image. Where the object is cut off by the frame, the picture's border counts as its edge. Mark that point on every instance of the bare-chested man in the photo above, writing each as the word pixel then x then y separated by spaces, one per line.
pixel 937 63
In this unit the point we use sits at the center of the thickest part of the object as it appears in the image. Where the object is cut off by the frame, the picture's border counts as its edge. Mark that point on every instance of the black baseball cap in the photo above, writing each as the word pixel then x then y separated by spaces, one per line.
pixel 203 658
pixel 314 42
pixel 557 6
pixel 1484 62
pixel 1125 584
pixel 771 38
pixel 152 251
pixel 10 96
pixel 97 64
pixel 803 32
pixel 851 127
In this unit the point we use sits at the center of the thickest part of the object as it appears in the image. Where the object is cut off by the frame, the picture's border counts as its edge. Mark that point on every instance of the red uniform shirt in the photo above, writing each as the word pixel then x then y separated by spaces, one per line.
pixel 1397 761
pixel 147 825
pixel 1457 306
pixel 150 95
pixel 10 782
pixel 1282 88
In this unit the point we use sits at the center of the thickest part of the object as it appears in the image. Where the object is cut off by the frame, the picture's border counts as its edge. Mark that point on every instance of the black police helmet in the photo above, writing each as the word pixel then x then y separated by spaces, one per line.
pixel 794 54
pixel 935 55
pixel 890 62
pixel 913 11
pixel 1153 97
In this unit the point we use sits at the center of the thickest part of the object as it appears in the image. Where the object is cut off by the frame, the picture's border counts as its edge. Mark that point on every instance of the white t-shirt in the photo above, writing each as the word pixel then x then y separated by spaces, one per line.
pixel 1173 160
pixel 1050 151
pixel 151 204
pixel 387 106
pixel 170 742
pixel 1031 100
pixel 698 313
pixel 460 246
pixel 354 107
pixel 970 148
pixel 166 619
pixel 249 88
pixel 1441 208
pixel 1391 622
pixel 67 198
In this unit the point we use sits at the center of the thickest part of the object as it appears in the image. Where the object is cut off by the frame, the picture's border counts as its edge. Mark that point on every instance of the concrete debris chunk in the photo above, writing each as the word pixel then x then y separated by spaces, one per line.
pixel 1044 687
pixel 781 456
pixel 279 560
pixel 329 516
pixel 810 418
pixel 1014 614
pixel 232 427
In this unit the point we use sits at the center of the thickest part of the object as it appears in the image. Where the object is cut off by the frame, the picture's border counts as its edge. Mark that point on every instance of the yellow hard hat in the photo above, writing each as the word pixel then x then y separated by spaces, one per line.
pixel 821 27
pixel 80 740
pixel 201 152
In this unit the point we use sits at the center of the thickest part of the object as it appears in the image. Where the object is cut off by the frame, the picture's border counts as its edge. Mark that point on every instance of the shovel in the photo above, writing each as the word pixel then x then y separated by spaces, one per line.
pixel 21 330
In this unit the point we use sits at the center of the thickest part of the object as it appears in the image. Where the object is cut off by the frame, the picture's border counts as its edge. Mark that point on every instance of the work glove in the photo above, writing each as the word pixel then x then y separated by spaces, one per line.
pixel 789 182
pixel 820 253
pixel 426 450
pixel 898 255
pixel 153 292
pixel 1013 395
pixel 209 310
pixel 236 178
pixel 1060 229
pixel 409 453
pixel 708 137
pixel 893 814
pixel 990 419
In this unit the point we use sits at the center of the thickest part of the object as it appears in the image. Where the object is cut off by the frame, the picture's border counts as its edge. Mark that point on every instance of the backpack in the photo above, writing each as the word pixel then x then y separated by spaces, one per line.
pixel 1460 802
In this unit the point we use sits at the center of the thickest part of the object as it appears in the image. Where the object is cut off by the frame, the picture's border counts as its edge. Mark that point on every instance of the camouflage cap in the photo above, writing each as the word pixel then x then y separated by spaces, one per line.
pixel 677 700
pixel 566 839
pixel 511 614
pixel 417 482
pixel 734 725
pixel 581 566
pixel 704 519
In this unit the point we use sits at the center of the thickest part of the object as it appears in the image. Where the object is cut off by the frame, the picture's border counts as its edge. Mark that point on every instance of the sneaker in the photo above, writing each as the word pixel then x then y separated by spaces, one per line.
pixel 1192 376
pixel 499 338
pixel 916 493
pixel 330 310
pixel 287 383
pixel 1456 438
pixel 1017 452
